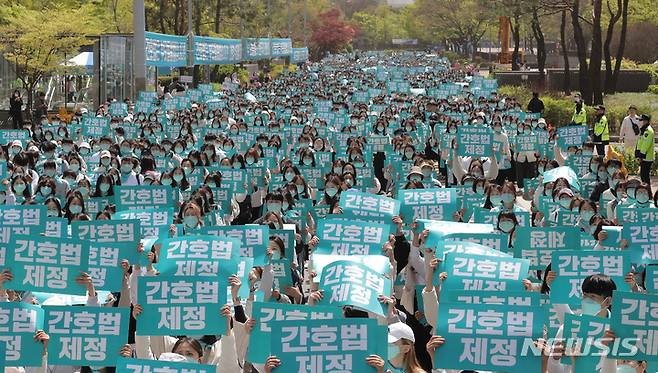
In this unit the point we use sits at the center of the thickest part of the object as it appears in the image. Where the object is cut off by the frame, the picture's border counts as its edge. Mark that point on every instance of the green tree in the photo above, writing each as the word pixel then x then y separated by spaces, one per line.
pixel 37 41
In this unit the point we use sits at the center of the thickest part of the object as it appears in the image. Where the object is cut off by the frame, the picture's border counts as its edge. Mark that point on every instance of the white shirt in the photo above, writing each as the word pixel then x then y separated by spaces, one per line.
pixel 626 134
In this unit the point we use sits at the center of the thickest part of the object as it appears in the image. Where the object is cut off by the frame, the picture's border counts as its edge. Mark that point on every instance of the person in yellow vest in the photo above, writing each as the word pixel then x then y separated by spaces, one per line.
pixel 579 114
pixel 644 150
pixel 601 136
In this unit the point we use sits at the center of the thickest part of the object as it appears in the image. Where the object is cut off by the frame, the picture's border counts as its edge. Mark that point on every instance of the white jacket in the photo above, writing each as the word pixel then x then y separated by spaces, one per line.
pixel 626 134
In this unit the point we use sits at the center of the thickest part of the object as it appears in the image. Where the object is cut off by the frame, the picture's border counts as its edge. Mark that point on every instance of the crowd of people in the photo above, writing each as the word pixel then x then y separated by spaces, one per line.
pixel 310 134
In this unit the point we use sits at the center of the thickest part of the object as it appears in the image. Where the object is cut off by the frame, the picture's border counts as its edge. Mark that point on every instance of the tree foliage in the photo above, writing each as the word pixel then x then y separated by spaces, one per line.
pixel 331 34
pixel 37 42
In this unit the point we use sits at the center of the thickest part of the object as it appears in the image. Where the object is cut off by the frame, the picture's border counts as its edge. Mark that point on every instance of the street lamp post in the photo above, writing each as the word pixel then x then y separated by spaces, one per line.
pixel 139 45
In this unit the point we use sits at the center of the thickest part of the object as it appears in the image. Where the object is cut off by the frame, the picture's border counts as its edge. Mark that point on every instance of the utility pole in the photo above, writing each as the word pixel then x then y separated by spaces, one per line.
pixel 139 42
pixel 244 45
pixel 269 25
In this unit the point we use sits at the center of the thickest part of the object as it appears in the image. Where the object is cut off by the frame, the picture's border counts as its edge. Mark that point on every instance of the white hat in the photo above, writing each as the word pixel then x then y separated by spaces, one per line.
pixel 17 143
pixel 399 331
pixel 84 144
pixel 105 153
pixel 541 120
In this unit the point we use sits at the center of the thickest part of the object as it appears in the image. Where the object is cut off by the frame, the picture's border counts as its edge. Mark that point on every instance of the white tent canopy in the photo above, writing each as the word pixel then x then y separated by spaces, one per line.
pixel 83 59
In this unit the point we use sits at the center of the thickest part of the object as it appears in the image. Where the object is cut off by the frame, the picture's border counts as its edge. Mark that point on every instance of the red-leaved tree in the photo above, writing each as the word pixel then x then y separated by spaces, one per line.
pixel 331 34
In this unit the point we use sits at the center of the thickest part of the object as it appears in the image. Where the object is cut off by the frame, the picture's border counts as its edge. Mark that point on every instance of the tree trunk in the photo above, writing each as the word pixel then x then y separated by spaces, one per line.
pixel 595 54
pixel 196 72
pixel 581 46
pixel 614 17
pixel 177 15
pixel 622 45
pixel 541 44
pixel 30 99
pixel 218 17
pixel 516 36
pixel 565 54
pixel 161 16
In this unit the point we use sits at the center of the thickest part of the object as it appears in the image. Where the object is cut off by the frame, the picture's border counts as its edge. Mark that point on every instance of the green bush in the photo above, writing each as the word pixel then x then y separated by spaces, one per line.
pixel 630 162
pixel 521 93
pixel 651 69
pixel 653 89
pixel 654 166
pixel 558 111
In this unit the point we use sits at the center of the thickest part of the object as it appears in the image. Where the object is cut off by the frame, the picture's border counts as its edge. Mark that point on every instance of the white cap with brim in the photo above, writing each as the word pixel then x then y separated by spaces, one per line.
pixel 399 331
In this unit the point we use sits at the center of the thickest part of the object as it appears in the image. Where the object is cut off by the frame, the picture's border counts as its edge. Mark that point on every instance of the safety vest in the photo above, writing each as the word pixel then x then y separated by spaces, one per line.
pixel 645 144
pixel 601 129
pixel 580 117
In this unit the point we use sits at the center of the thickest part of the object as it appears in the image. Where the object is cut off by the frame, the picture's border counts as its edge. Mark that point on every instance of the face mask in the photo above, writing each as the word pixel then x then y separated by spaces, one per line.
pixel 178 177
pixel 19 188
pixel 497 129
pixel 45 190
pixel 338 170
pixel 125 150
pixel 331 191
pixel 66 149
pixel 240 197
pixel 590 307
pixel 427 173
pixel 565 202
pixel 479 189
pixel 603 175
pixel 507 197
pixel 300 188
pixel 74 167
pixel 630 192
pixel 611 170
pixel 49 172
pixel 452 130
pixel 393 351
pixel 190 221
pixel 308 161
pixel 105 161
pixel 274 207
pixel 178 150
pixel 642 198
pixel 506 226
pixel 187 170
pixel 105 146
pixel 496 200
pixel 104 187
pixel 588 152
pixel 586 215
pixel 75 209
pixel 126 168
pixel 409 155
pixel 84 191
pixel 625 369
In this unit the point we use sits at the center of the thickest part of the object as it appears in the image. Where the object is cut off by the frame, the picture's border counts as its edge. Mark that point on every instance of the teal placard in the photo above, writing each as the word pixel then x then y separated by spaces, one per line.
pixel 474 141
pixel 526 143
pixel 143 196
pixel 348 283
pixel 46 264
pixel 480 272
pixel 439 229
pixel 178 305
pixel 572 267
pixel 95 205
pixel 107 231
pixel 628 214
pixel 86 336
pixel 154 222
pixel 432 204
pixel 369 205
pixel 7 136
pixel 447 246
pixel 584 334
pixel 20 220
pixel 507 298
pixel 572 136
pixel 537 244
pixel 495 241
pixel 378 263
pixel 104 264
pixel 642 241
pixel 125 365
pixel 633 319
pixel 340 237
pixel 269 314
pixel 340 345
pixel 253 239
pixel 118 109
pixel 18 325
pixel 95 126
pixel 56 227
pixel 495 337
pixel 200 256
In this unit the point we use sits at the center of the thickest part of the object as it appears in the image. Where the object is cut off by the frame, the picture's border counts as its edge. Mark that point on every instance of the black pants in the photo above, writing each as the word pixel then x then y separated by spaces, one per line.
pixel 645 171
pixel 525 170
pixel 17 119
pixel 600 148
